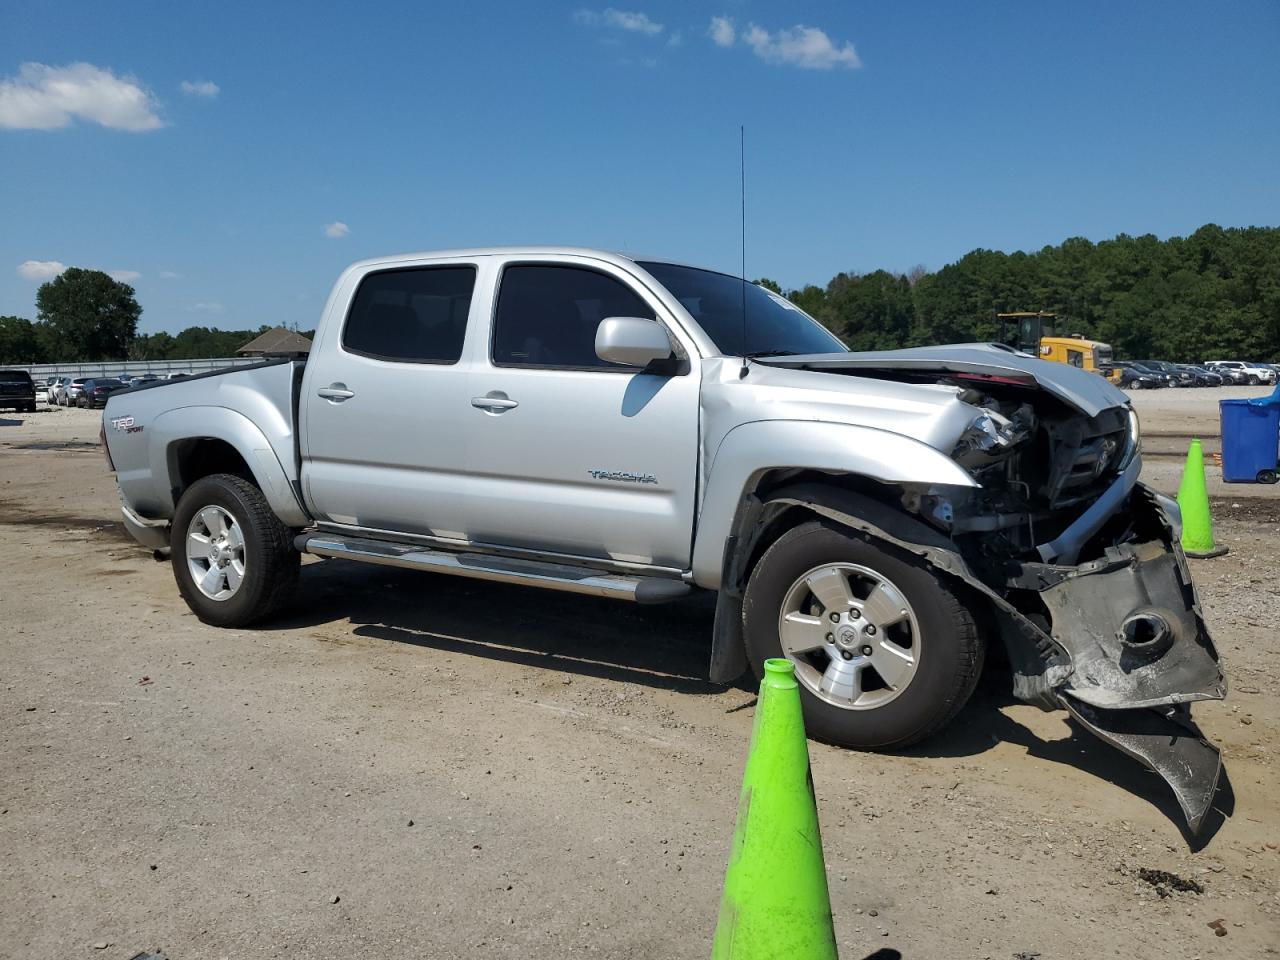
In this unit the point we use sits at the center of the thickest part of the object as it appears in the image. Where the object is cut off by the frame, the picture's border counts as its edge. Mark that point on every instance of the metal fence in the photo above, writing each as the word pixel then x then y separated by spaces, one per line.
pixel 136 368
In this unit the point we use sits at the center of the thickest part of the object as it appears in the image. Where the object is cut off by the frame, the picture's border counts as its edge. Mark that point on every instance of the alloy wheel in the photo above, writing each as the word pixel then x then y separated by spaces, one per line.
pixel 215 553
pixel 852 635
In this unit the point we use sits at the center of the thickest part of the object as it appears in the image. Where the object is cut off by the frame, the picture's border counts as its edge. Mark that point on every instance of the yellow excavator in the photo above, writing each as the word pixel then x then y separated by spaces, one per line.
pixel 1038 334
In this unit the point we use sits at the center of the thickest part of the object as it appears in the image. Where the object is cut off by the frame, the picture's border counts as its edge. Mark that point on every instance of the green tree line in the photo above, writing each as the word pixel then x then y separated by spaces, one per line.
pixel 85 315
pixel 1212 295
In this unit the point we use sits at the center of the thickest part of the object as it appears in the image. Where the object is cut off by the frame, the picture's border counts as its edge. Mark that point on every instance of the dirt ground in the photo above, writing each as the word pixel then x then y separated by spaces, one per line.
pixel 420 766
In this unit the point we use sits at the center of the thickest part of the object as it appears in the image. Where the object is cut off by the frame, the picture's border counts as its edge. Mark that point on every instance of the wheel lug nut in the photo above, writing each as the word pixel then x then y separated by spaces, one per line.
pixel 831 638
pixel 871 629
pixel 846 654
pixel 866 651
pixel 835 618
pixel 855 614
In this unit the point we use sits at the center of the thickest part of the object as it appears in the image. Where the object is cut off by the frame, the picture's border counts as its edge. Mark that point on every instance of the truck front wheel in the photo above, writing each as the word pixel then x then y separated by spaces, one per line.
pixel 232 557
pixel 885 651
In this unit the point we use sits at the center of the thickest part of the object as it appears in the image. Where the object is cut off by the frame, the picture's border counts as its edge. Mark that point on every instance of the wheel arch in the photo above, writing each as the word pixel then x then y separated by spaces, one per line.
pixel 767 454
pixel 190 443
pixel 858 504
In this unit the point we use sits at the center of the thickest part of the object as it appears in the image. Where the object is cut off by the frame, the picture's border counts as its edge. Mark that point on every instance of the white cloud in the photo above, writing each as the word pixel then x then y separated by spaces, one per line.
pixel 124 276
pixel 203 307
pixel 336 229
pixel 721 31
pixel 676 39
pixel 41 97
pixel 41 269
pixel 169 275
pixel 620 20
pixel 806 47
pixel 200 88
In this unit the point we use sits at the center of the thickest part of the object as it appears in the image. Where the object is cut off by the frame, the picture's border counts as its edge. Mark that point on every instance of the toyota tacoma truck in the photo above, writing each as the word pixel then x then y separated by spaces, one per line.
pixel 640 429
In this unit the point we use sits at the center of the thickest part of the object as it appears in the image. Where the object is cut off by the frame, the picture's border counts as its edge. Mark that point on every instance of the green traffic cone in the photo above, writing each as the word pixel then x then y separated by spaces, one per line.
pixel 776 903
pixel 1193 499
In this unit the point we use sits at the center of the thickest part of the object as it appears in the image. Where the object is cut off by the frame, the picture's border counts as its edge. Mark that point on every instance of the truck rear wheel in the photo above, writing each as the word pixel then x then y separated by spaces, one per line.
pixel 233 559
pixel 885 651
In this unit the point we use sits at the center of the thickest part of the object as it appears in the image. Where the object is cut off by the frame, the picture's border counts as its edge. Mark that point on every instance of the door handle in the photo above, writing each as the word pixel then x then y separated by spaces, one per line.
pixel 336 392
pixel 494 404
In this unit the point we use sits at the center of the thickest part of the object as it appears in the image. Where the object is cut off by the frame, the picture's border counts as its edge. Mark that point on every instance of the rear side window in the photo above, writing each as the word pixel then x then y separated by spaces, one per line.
pixel 547 316
pixel 411 316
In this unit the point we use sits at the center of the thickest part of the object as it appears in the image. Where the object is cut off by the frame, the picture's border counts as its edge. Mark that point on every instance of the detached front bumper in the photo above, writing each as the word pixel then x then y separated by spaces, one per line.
pixel 1126 651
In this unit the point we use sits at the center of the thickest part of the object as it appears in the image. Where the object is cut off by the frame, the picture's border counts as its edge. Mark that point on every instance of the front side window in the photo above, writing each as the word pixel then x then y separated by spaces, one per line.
pixel 775 327
pixel 547 316
pixel 1075 358
pixel 411 316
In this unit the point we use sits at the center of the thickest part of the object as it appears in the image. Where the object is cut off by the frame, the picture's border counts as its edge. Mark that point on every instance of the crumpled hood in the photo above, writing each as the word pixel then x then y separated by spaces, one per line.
pixel 1087 392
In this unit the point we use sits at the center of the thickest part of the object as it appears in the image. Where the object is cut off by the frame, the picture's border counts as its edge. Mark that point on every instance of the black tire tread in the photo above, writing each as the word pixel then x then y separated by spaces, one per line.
pixel 276 562
pixel 950 600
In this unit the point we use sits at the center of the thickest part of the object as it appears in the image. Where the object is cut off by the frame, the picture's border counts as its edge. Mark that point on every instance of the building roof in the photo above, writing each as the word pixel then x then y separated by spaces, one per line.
pixel 275 341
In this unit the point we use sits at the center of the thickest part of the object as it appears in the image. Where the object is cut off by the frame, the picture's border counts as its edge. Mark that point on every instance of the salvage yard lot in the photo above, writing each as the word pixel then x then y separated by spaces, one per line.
pixel 418 766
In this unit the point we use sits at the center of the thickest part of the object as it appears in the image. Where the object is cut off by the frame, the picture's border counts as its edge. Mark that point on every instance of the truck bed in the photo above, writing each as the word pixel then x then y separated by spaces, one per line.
pixel 257 403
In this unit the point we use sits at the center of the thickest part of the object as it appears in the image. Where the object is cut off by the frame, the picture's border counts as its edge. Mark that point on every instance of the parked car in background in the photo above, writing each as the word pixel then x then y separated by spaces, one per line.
pixel 1242 372
pixel 1125 375
pixel 95 392
pixel 17 391
pixel 71 393
pixel 1200 377
pixel 42 391
pixel 1164 379
pixel 140 380
pixel 55 386
pixel 1176 377
pixel 1266 368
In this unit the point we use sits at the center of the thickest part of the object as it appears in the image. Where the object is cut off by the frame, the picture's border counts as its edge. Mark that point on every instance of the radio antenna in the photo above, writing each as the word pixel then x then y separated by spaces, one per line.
pixel 742 179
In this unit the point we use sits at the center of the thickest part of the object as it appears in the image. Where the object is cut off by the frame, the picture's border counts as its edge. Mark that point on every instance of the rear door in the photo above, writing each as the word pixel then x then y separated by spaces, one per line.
pixel 385 403
pixel 568 453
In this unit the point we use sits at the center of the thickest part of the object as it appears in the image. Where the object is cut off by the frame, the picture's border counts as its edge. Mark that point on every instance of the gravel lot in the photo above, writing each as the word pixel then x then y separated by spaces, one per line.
pixel 418 766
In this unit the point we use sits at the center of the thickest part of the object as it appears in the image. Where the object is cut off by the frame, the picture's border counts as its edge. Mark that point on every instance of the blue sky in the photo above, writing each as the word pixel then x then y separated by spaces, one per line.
pixel 877 135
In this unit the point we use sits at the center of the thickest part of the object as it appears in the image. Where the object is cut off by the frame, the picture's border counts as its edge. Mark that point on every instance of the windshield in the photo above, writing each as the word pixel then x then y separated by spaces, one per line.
pixel 775 326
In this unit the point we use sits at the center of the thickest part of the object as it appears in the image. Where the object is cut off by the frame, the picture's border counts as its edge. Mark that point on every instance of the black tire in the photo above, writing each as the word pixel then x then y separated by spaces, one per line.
pixel 1253 381
pixel 952 647
pixel 270 561
pixel 1267 476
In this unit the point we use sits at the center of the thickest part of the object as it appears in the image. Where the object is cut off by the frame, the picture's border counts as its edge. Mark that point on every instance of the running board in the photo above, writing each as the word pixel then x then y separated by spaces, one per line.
pixel 532 573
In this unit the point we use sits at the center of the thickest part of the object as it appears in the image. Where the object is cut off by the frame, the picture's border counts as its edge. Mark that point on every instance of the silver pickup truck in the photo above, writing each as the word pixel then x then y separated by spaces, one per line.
pixel 641 429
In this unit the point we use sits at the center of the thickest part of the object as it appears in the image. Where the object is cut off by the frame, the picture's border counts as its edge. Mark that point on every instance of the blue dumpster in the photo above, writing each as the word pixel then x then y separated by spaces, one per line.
pixel 1250 437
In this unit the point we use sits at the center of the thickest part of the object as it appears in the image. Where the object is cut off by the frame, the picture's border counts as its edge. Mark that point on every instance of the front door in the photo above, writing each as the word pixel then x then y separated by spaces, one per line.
pixel 570 453
pixel 386 405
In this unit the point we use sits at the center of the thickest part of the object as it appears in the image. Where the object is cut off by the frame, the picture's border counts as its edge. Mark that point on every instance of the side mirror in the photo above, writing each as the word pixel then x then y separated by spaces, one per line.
pixel 633 341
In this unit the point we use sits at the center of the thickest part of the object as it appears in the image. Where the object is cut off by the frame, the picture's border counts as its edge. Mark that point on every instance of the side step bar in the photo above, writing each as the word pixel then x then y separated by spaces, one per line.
pixel 551 576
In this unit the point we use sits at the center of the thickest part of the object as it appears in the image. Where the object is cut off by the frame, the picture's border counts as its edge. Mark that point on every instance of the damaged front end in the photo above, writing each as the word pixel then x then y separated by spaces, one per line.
pixel 1129 650
pixel 1118 641
pixel 1082 563
pixel 1088 559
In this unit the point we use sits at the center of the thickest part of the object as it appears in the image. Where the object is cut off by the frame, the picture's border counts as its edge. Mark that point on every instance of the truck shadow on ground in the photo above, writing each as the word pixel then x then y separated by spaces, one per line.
pixel 667 647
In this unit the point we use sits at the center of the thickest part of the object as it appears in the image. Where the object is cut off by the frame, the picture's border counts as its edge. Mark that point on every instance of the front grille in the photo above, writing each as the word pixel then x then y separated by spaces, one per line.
pixel 1084 457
